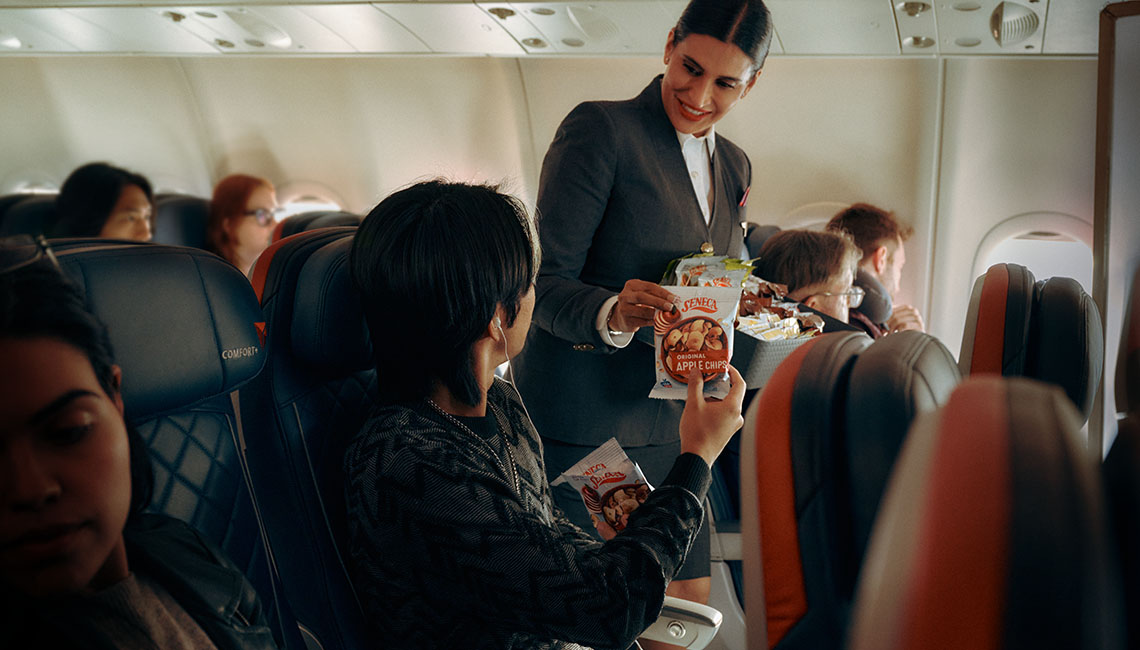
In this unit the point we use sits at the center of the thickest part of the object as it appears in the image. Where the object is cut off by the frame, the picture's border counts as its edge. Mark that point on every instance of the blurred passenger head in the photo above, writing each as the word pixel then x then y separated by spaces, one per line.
pixel 71 470
pixel 712 59
pixel 101 200
pixel 880 237
pixel 817 267
pixel 241 219
pixel 434 264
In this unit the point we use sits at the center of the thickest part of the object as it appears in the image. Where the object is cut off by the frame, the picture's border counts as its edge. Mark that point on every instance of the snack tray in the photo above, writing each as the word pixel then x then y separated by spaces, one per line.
pixel 756 359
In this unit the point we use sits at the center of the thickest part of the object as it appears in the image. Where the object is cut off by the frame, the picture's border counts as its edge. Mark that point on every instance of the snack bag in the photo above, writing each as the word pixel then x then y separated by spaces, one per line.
pixel 697 335
pixel 612 486
pixel 706 270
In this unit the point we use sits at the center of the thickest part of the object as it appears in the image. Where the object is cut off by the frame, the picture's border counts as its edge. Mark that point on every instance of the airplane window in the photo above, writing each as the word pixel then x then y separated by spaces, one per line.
pixel 1047 254
pixel 305 204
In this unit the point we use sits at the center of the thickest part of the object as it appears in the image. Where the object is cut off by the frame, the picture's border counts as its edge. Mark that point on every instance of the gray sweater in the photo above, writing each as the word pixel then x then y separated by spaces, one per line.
pixel 450 547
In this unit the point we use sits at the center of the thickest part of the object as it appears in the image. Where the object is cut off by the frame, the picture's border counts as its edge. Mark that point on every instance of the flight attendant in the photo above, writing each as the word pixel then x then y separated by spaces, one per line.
pixel 627 186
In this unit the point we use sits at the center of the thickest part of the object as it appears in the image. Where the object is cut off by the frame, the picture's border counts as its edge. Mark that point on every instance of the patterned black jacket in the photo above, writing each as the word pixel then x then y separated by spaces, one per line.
pixel 448 550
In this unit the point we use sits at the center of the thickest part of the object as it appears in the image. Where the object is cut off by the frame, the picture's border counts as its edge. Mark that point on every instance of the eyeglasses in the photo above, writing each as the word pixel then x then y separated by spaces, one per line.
pixel 264 216
pixel 853 296
pixel 19 251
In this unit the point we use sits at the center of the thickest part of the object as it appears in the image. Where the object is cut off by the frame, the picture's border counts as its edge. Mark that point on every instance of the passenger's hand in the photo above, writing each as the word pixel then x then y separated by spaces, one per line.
pixel 604 529
pixel 905 317
pixel 636 304
pixel 707 423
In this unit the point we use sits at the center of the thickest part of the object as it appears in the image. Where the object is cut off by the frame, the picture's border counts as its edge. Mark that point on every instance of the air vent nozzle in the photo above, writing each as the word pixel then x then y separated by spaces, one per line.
pixel 1012 23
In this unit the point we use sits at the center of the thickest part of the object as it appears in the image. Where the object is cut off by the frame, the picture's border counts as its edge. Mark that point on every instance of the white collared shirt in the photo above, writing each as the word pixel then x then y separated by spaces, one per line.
pixel 698 154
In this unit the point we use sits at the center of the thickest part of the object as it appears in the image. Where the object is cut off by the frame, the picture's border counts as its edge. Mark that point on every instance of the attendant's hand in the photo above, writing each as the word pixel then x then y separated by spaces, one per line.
pixel 707 423
pixel 636 304
pixel 905 317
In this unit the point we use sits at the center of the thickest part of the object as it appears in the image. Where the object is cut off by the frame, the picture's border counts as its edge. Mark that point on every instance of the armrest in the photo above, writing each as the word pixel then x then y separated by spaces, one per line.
pixel 684 623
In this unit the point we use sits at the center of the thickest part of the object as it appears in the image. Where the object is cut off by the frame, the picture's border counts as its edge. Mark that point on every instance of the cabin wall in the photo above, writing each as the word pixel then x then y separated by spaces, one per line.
pixel 955 146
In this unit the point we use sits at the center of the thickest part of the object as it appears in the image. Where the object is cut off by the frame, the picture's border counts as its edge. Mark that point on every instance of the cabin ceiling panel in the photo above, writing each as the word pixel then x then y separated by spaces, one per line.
pixel 533 28
pixel 849 27
pixel 454 28
pixel 634 27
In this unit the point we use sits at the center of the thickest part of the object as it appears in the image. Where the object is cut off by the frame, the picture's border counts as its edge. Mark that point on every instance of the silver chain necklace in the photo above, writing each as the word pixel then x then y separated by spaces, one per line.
pixel 513 472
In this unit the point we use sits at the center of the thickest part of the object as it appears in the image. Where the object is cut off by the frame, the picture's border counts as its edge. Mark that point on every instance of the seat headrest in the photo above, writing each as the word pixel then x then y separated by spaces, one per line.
pixel 185 325
pixel 313 220
pixel 993 532
pixel 180 220
pixel 1128 356
pixel 328 327
pixel 755 235
pixel 893 381
pixel 997 322
pixel 876 305
pixel 333 219
pixel 1066 342
pixel 34 215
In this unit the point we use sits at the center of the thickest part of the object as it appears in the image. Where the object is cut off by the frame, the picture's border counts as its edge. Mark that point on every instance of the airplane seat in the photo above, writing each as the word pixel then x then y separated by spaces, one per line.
pixel 1048 330
pixel 1122 465
pixel 313 220
pixel 34 215
pixel 1066 341
pixel 184 328
pixel 180 220
pixel 314 395
pixel 993 532
pixel 893 381
pixel 876 305
pixel 754 237
pixel 8 200
pixel 997 322
pixel 791 501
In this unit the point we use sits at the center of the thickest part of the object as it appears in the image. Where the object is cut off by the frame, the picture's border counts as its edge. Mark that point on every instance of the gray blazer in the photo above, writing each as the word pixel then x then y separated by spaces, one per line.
pixel 614 202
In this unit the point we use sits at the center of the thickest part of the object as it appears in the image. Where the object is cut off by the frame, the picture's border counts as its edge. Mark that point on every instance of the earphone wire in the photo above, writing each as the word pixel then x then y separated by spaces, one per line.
pixel 511 371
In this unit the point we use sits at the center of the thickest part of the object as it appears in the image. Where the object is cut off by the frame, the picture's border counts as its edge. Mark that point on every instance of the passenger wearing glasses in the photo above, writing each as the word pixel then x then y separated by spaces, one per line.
pixel 242 216
pixel 817 267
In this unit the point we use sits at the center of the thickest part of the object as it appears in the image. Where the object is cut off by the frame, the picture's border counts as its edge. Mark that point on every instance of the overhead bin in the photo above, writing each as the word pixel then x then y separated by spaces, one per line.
pixel 534 28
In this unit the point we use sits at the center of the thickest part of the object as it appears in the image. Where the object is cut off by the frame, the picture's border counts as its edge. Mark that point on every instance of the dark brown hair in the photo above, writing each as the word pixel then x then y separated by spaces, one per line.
pixel 805 258
pixel 870 227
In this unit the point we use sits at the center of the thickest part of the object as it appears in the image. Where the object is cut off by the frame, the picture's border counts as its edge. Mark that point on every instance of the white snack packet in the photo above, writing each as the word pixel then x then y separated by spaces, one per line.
pixel 696 335
pixel 611 485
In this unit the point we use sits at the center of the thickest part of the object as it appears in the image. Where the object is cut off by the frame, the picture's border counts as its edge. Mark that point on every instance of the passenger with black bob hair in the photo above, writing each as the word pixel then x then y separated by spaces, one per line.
pixel 81 565
pixel 454 541
pixel 101 200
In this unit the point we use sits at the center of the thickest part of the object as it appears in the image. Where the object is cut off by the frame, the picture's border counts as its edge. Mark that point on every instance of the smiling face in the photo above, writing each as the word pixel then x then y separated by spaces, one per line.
pixel 704 78
pixel 65 487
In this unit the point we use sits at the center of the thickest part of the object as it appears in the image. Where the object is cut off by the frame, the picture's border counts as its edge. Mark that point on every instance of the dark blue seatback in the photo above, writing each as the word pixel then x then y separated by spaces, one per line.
pixel 825 433
pixel 34 215
pixel 313 220
pixel 299 414
pixel 8 200
pixel 892 382
pixel 1048 330
pixel 180 220
pixel 185 327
